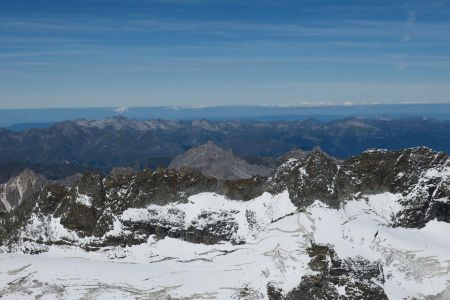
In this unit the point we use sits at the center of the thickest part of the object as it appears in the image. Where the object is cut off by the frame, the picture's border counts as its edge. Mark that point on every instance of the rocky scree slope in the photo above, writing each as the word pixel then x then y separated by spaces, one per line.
pixel 98 214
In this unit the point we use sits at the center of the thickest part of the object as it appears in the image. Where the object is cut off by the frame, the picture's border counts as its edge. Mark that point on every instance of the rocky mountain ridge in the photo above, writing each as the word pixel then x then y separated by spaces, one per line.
pixel 420 175
pixel 404 191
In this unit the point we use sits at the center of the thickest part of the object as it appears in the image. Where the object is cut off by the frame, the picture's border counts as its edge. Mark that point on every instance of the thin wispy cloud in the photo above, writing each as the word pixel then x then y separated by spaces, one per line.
pixel 319 28
pixel 118 47
pixel 122 109
pixel 46 53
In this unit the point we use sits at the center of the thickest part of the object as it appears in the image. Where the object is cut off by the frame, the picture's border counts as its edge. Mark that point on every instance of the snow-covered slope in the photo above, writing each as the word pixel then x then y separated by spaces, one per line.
pixel 273 251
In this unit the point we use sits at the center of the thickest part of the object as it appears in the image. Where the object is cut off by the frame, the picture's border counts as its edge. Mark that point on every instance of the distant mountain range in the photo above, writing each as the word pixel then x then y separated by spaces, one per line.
pixel 22 119
pixel 72 147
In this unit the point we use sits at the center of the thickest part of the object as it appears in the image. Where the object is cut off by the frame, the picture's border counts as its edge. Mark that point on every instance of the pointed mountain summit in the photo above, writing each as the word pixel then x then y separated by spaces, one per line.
pixel 216 162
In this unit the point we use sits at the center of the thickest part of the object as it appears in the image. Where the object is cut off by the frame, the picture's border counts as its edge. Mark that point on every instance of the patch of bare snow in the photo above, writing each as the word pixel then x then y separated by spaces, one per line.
pixel 416 261
pixel 84 200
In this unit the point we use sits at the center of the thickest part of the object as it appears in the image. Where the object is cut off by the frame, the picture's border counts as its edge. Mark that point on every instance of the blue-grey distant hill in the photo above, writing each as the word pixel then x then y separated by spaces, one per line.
pixel 25 126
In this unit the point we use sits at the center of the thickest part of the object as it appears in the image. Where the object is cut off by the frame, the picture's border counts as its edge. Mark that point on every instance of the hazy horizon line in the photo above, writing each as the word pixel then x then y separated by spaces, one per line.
pixel 123 109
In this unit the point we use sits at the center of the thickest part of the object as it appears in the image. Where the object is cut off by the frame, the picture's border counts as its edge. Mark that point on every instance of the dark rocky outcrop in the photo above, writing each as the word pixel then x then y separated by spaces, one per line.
pixel 164 186
pixel 416 173
pixel 308 179
pixel 84 206
pixel 335 278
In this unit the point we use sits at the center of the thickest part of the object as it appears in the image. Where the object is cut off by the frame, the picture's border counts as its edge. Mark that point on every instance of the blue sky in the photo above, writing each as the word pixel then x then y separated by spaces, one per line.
pixel 83 53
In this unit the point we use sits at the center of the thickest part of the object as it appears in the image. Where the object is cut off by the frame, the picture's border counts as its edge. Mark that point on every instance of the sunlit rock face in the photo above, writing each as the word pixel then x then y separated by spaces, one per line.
pixel 369 227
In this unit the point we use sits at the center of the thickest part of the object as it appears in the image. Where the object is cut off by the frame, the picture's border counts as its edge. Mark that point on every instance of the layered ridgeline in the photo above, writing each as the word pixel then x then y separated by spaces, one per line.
pixel 78 146
pixel 370 227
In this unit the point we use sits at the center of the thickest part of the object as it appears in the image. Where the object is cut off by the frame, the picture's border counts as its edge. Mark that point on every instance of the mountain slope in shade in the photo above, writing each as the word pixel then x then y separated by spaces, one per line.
pixel 24 185
pixel 369 227
pixel 13 192
pixel 213 161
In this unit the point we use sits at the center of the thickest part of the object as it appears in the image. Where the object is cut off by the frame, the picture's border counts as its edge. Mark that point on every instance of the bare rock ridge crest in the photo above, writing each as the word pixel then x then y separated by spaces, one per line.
pixel 208 159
